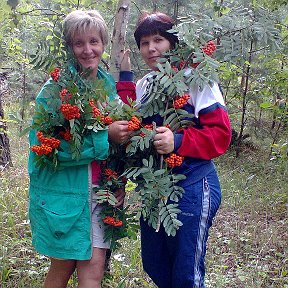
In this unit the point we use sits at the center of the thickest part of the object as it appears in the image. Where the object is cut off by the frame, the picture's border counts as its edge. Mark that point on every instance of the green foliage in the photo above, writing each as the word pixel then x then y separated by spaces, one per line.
pixel 51 120
pixel 156 183
pixel 234 31
pixel 128 229
pixel 246 246
pixel 247 36
pixel 157 187
pixel 236 257
pixel 49 52
pixel 280 152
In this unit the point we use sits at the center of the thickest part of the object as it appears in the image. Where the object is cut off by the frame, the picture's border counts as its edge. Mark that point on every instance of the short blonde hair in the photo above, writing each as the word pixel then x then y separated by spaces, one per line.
pixel 79 21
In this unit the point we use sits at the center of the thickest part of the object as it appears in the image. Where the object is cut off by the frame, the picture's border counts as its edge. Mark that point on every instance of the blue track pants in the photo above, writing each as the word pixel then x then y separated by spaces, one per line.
pixel 178 262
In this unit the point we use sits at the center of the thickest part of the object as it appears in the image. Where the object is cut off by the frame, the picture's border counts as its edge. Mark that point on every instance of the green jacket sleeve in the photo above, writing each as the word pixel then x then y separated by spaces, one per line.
pixel 95 144
pixel 95 147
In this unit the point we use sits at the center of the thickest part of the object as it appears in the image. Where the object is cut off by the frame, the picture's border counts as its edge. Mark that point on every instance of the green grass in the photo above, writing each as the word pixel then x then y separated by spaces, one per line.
pixel 247 242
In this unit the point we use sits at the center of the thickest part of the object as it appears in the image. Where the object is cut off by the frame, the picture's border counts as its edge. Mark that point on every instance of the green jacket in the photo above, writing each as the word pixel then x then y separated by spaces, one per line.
pixel 59 203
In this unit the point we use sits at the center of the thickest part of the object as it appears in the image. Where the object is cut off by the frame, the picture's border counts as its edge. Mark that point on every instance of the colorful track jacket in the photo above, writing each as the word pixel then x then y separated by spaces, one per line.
pixel 200 143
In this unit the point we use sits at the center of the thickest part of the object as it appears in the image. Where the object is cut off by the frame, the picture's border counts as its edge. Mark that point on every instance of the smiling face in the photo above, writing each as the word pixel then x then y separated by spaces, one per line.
pixel 152 48
pixel 88 49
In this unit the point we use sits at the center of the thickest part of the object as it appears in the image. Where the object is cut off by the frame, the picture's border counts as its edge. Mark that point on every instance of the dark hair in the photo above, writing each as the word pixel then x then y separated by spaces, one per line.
pixel 155 23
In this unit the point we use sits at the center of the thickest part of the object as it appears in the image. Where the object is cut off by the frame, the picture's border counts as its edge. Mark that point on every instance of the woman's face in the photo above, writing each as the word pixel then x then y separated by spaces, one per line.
pixel 152 47
pixel 88 49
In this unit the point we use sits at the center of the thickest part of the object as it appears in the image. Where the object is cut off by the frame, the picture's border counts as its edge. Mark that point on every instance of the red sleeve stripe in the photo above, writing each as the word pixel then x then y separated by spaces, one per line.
pixel 210 140
pixel 125 90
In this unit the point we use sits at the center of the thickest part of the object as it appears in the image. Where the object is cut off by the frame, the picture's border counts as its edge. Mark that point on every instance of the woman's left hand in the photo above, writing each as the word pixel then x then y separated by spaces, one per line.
pixel 118 132
pixel 164 140
pixel 120 196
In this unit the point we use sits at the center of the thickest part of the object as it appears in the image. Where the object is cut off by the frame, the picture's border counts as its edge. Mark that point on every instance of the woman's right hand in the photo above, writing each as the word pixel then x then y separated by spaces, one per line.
pixel 118 132
pixel 164 140
pixel 125 63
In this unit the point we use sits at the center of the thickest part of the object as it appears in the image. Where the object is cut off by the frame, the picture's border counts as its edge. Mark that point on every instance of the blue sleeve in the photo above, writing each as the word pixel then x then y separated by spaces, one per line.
pixel 177 140
pixel 126 76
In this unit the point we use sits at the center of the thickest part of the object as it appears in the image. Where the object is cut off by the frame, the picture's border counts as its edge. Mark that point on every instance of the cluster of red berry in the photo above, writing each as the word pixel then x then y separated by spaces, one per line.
pixel 110 174
pixel 107 120
pixel 51 141
pixel 109 220
pixel 148 127
pixel 96 112
pixel 91 103
pixel 66 135
pixel 70 111
pixel 64 95
pixel 134 124
pixel 180 101
pixel 42 149
pixel 174 160
pixel 209 48
pixel 175 68
pixel 142 134
pixel 47 144
pixel 55 74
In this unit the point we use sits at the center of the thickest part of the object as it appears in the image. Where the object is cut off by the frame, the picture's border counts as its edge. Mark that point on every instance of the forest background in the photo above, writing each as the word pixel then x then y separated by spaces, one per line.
pixel 248 242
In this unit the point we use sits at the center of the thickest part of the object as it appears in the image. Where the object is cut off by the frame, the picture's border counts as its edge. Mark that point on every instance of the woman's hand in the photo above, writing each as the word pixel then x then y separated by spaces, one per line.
pixel 120 196
pixel 118 132
pixel 125 64
pixel 164 140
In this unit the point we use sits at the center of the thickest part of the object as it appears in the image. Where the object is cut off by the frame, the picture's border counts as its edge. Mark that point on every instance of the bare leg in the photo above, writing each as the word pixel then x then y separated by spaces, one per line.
pixel 59 273
pixel 90 272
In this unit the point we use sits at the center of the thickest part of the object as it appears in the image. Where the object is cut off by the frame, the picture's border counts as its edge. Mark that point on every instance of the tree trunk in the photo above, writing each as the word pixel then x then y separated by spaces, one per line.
pixel 119 34
pixel 176 10
pixel 244 89
pixel 24 84
pixel 5 156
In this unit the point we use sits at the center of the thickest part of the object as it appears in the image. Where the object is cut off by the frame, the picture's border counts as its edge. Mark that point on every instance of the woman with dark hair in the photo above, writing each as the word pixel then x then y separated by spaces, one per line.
pixel 178 262
pixel 146 26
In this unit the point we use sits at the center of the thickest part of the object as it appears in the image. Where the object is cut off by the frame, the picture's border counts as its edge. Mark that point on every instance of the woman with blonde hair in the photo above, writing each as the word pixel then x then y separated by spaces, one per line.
pixel 64 217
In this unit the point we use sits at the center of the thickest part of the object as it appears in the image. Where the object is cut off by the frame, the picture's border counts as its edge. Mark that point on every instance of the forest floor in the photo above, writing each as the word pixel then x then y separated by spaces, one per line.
pixel 247 246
